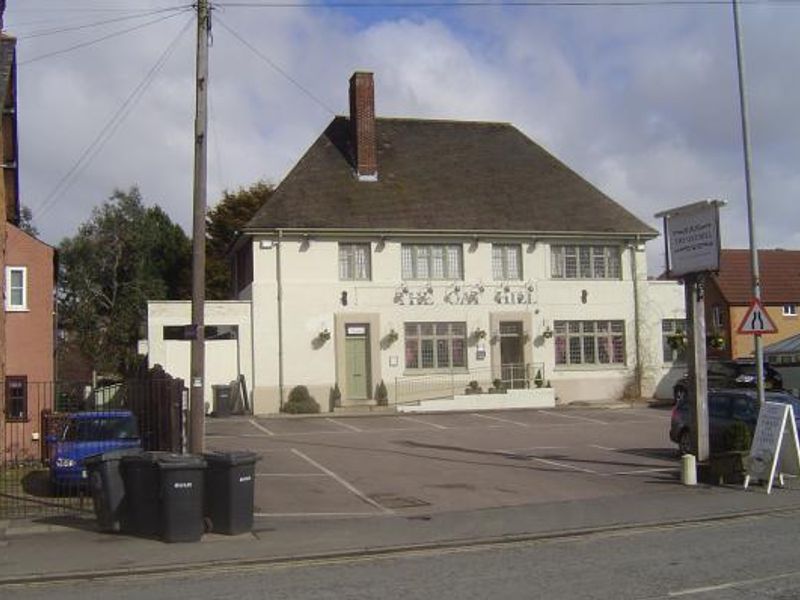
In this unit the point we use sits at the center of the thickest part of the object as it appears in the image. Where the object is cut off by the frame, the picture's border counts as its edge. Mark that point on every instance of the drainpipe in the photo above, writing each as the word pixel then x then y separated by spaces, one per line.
pixel 636 317
pixel 280 315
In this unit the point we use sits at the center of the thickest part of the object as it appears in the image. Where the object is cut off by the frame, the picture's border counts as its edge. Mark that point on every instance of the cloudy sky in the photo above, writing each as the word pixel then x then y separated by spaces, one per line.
pixel 641 100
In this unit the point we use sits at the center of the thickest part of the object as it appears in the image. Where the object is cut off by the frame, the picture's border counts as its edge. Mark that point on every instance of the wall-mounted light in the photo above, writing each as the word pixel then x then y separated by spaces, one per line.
pixel 473 245
pixel 343 298
pixel 584 296
pixel 380 244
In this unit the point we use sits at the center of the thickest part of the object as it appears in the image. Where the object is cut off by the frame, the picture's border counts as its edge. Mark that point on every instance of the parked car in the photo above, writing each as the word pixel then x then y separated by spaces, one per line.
pixel 731 374
pixel 725 407
pixel 85 434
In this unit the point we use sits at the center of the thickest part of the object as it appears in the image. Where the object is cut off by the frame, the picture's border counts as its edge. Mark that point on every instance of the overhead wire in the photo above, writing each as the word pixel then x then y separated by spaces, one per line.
pixel 108 130
pixel 102 38
pixel 272 64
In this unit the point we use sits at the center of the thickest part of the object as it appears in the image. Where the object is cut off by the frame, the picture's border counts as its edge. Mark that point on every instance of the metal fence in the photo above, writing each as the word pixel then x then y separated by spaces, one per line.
pixel 54 423
pixel 435 386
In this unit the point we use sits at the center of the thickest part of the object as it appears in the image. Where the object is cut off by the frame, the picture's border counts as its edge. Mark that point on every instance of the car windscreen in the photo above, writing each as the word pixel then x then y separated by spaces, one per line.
pixel 101 429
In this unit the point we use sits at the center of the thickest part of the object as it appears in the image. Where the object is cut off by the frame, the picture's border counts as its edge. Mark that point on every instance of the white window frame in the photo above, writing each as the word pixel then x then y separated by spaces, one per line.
pixel 790 309
pixel 585 261
pixel 419 261
pixel 594 337
pixel 347 260
pixel 20 306
pixel 501 270
pixel 439 337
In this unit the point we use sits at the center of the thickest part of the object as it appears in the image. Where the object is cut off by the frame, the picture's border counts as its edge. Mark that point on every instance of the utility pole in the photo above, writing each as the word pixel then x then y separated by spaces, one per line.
pixel 196 396
pixel 759 347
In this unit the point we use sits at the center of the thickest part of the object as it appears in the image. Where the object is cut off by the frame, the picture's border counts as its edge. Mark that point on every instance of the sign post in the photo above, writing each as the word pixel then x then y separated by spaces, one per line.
pixel 692 247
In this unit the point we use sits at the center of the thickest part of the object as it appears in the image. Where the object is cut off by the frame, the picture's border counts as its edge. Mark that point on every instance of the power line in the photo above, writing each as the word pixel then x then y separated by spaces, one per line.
pixel 274 66
pixel 111 126
pixel 499 3
pixel 138 15
pixel 101 39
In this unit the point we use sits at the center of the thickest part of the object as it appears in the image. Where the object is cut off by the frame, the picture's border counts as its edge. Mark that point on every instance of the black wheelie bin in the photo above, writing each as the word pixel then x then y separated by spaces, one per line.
pixel 108 488
pixel 181 491
pixel 229 491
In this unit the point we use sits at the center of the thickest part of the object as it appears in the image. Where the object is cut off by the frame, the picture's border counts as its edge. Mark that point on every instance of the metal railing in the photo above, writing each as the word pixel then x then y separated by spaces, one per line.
pixel 410 389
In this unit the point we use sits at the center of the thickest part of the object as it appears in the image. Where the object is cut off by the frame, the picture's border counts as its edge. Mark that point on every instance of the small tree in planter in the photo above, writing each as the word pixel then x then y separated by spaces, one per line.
pixel 473 388
pixel 334 397
pixel 381 394
pixel 730 464
pixel 300 402
pixel 538 381
pixel 498 387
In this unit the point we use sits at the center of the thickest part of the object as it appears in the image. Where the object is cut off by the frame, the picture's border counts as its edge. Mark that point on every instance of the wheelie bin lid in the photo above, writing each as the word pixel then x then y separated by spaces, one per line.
pixel 118 454
pixel 150 457
pixel 235 458
pixel 168 462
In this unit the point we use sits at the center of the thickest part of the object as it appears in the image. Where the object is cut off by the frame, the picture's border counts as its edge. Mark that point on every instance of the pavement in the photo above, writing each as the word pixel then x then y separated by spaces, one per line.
pixel 58 549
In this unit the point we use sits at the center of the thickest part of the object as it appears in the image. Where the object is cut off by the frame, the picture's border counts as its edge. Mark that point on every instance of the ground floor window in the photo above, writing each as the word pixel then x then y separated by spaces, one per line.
pixel 16 398
pixel 589 342
pixel 435 345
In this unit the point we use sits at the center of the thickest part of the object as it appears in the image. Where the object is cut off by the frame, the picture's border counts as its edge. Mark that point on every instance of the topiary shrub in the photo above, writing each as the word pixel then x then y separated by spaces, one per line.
pixel 498 387
pixel 538 381
pixel 473 388
pixel 737 437
pixel 300 402
pixel 381 394
pixel 334 397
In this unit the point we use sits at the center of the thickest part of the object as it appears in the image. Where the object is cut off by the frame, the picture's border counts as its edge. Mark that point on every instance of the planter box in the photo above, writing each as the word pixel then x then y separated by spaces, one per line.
pixel 533 398
pixel 725 467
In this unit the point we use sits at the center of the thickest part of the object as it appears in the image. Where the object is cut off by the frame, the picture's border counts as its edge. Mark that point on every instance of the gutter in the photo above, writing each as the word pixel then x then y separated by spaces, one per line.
pixel 449 233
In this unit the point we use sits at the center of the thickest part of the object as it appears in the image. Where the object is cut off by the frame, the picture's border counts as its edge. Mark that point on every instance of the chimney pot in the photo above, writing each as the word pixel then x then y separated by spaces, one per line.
pixel 362 126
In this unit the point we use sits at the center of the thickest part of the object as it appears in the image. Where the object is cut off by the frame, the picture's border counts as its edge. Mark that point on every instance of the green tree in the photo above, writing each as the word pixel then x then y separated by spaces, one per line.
pixel 123 256
pixel 223 224
pixel 26 221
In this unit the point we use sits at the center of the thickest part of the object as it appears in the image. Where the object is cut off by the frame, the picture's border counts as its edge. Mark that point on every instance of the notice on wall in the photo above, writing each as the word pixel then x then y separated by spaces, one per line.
pixel 775 449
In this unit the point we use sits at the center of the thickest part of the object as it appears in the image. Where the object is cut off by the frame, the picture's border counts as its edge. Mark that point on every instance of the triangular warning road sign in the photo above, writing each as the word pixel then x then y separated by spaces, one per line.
pixel 757 321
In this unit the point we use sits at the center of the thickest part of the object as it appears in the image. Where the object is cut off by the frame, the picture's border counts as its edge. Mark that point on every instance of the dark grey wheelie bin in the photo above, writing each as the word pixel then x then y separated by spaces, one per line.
pixel 108 488
pixel 229 490
pixel 181 491
pixel 142 490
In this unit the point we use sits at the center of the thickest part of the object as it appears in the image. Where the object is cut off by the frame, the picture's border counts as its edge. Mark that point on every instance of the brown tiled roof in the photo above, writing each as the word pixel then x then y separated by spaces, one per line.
pixel 441 176
pixel 779 270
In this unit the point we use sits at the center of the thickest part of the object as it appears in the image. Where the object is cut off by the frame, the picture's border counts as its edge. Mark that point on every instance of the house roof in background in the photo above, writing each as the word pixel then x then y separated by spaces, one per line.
pixel 790 345
pixel 442 176
pixel 779 271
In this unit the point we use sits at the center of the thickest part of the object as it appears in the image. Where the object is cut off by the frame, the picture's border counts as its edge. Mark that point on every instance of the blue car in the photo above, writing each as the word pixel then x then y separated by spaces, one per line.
pixel 85 434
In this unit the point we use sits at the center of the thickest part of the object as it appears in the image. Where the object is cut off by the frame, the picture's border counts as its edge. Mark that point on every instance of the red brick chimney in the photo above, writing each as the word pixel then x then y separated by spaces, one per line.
pixel 362 126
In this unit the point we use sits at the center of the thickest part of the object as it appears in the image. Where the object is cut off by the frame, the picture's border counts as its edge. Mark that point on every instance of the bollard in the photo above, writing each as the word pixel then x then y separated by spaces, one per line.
pixel 688 469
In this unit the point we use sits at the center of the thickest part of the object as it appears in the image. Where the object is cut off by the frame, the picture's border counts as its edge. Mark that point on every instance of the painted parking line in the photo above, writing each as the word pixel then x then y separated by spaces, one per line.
pixel 574 417
pixel 645 471
pixel 343 482
pixel 260 427
pixel 318 514
pixel 345 425
pixel 555 463
pixel 291 475
pixel 501 420
pixel 599 447
pixel 529 449
pixel 416 420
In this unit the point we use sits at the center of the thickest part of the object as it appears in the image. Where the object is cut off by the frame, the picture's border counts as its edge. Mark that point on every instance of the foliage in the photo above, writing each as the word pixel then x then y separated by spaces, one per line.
pixel 223 224
pixel 538 380
pixel 498 387
pixel 737 437
pixel 334 397
pixel 300 402
pixel 124 255
pixel 473 388
pixel 26 221
pixel 381 394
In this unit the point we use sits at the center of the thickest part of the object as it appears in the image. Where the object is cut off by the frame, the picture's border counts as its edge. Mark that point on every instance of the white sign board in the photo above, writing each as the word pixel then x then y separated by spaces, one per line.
pixel 693 238
pixel 775 446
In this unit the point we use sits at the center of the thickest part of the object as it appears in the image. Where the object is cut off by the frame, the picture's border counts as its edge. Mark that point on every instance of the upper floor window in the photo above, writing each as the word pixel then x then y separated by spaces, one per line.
pixel 790 310
pixel 16 288
pixel 716 316
pixel 673 337
pixel 589 342
pixel 432 261
pixel 506 262
pixel 354 262
pixel 586 262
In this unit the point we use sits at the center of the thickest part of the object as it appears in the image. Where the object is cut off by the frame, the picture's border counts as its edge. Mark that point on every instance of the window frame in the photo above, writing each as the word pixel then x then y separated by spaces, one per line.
pixel 349 249
pixel 413 259
pixel 614 329
pixel 419 337
pixel 790 309
pixel 562 256
pixel 505 249
pixel 9 305
pixel 18 416
pixel 676 356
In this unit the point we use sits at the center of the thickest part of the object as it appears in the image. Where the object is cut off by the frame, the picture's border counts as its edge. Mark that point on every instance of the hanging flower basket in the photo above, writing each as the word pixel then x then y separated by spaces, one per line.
pixel 677 341
pixel 716 342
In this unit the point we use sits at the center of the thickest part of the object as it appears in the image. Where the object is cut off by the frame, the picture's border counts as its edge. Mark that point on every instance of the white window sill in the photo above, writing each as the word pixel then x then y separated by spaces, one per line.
pixel 17 309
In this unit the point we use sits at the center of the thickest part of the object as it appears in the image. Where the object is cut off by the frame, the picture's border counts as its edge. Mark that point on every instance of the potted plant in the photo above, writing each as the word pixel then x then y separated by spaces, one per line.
pixel 473 388
pixel 547 333
pixel 677 340
pixel 479 333
pixel 538 381
pixel 498 387
pixel 334 397
pixel 324 335
pixel 381 394
pixel 716 341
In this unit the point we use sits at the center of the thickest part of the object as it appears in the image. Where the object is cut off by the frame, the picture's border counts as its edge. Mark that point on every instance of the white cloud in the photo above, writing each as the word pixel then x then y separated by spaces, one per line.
pixel 642 101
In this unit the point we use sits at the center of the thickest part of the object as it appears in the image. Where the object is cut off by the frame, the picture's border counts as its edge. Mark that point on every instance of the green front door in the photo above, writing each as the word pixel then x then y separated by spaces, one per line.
pixel 357 359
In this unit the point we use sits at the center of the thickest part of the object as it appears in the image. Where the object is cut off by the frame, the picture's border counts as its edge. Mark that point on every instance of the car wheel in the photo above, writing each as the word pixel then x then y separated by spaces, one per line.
pixel 685 443
pixel 679 394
